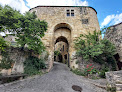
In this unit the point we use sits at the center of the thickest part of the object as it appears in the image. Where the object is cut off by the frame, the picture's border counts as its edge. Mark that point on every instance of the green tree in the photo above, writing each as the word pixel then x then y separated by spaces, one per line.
pixel 6 62
pixel 3 44
pixel 92 47
pixel 33 65
pixel 32 30
pixel 26 27
pixel 28 30
pixel 9 19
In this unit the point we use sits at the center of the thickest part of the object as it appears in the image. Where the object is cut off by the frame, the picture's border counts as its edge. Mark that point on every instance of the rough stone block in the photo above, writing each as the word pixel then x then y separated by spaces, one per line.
pixel 112 77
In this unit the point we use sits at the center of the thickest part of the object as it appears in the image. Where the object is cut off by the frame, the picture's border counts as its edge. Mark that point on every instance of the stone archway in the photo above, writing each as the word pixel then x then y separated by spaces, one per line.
pixel 62 49
pixel 62 40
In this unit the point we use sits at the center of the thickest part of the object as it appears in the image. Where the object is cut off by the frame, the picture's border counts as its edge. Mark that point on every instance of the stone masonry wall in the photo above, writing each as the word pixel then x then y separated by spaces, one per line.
pixel 18 56
pixel 114 34
pixel 84 20
pixel 114 79
pixel 61 25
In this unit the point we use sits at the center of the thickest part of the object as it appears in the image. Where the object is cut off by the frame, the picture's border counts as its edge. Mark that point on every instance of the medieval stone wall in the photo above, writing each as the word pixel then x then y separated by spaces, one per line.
pixel 114 79
pixel 114 34
pixel 83 20
pixel 18 56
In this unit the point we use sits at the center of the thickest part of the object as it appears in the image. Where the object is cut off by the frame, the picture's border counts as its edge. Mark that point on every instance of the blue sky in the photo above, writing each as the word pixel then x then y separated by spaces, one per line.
pixel 109 11
pixel 107 8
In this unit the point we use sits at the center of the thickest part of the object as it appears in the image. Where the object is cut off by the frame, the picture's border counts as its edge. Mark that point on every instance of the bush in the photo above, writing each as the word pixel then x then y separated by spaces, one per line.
pixel 111 61
pixel 91 47
pixel 102 72
pixel 111 89
pixel 6 62
pixel 3 44
pixel 78 72
pixel 90 69
pixel 33 65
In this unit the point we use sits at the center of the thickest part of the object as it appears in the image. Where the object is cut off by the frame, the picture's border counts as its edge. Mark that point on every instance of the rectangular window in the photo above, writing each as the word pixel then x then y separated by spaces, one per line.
pixel 68 12
pixel 83 10
pixel 85 21
pixel 72 12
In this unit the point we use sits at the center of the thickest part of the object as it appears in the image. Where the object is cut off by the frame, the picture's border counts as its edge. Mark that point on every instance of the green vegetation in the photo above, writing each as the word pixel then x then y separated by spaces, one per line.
pixel 78 72
pixel 56 53
pixel 102 71
pixel 111 89
pixel 3 44
pixel 90 70
pixel 6 62
pixel 26 27
pixel 92 48
pixel 29 30
pixel 31 33
pixel 33 65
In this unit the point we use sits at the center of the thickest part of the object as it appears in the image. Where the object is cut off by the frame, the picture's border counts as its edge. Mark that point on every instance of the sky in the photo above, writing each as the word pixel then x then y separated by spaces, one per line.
pixel 109 12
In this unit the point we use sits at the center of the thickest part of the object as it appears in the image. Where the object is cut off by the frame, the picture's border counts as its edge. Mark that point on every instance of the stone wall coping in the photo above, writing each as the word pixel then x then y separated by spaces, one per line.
pixel 64 6
pixel 111 30
pixel 116 24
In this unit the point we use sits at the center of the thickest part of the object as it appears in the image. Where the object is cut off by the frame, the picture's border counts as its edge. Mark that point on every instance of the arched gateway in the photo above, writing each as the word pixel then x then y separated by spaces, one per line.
pixel 65 24
pixel 62 40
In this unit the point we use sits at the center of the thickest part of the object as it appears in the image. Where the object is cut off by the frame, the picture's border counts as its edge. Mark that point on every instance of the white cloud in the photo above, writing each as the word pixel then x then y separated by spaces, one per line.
pixel 107 20
pixel 20 4
pixel 17 4
pixel 33 3
pixel 112 20
pixel 118 18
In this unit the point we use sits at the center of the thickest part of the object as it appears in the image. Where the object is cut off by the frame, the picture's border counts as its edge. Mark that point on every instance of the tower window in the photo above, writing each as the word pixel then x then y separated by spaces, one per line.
pixel 70 12
pixel 85 21
pixel 83 10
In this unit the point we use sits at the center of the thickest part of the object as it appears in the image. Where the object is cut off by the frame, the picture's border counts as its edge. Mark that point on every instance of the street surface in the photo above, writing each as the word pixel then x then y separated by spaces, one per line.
pixel 59 79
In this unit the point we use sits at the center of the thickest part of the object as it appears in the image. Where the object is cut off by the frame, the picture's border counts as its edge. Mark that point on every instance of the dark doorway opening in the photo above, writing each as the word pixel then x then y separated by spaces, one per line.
pixel 54 58
pixel 65 56
pixel 60 58
pixel 119 64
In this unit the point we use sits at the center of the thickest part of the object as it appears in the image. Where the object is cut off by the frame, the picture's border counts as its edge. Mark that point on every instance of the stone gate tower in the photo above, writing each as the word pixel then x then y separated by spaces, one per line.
pixel 65 24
